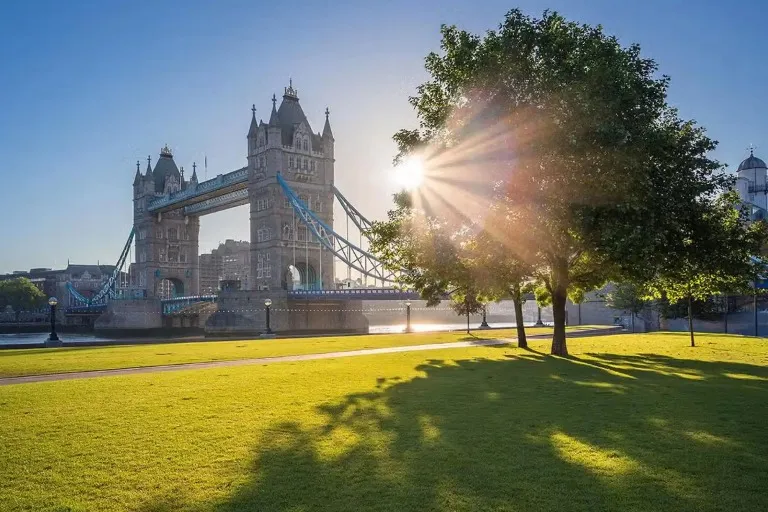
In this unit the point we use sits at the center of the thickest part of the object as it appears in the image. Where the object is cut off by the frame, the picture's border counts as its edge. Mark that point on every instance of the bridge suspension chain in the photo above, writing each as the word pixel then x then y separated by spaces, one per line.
pixel 350 254
pixel 107 290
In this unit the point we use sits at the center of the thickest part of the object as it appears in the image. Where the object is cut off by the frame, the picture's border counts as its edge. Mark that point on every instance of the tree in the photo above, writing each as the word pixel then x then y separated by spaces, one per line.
pixel 465 303
pixel 718 256
pixel 21 294
pixel 454 255
pixel 568 137
pixel 627 297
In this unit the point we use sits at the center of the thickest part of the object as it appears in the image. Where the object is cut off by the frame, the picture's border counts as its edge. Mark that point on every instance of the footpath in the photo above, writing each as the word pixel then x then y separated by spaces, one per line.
pixel 285 359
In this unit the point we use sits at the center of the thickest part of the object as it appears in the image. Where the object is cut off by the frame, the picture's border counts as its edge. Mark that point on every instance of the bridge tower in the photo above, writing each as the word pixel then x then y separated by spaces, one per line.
pixel 166 261
pixel 282 248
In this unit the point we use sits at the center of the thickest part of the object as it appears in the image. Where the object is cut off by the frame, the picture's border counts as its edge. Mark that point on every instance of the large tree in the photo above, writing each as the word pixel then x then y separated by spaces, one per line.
pixel 567 135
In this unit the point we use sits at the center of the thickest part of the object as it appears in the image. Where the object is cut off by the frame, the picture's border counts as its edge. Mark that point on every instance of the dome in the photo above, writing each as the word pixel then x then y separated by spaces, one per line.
pixel 752 163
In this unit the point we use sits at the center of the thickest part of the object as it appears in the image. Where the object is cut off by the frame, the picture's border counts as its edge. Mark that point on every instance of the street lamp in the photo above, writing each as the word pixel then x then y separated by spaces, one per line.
pixel 267 304
pixel 484 323
pixel 539 323
pixel 52 302
pixel 408 316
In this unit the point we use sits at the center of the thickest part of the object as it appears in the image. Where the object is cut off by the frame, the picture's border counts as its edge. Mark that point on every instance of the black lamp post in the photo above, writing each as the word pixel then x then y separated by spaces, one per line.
pixel 539 323
pixel 484 323
pixel 267 304
pixel 408 316
pixel 53 301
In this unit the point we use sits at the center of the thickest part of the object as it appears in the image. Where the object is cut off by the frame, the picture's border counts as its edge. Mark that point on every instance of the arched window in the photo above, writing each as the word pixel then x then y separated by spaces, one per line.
pixel 304 164
pixel 298 142
pixel 290 162
pixel 173 234
pixel 304 146
pixel 287 231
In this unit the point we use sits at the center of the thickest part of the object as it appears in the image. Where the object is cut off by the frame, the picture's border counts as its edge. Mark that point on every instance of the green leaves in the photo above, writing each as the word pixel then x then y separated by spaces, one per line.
pixel 555 156
pixel 21 294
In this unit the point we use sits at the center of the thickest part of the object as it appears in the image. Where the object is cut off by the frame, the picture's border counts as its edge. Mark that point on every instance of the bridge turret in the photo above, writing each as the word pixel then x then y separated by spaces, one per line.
pixel 138 178
pixel 328 139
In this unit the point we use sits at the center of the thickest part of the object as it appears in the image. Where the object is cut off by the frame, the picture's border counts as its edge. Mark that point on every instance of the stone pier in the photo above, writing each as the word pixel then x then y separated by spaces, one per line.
pixel 243 312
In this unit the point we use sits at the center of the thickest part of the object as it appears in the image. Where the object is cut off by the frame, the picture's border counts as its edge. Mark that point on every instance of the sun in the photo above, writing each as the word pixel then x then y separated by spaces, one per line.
pixel 410 173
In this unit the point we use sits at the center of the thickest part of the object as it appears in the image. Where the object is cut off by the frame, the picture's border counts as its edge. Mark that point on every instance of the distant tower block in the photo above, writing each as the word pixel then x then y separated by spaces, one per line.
pixel 166 243
pixel 279 240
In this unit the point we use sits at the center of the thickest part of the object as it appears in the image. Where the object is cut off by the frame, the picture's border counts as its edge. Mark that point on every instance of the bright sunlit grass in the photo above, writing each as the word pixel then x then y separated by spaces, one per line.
pixel 42 361
pixel 410 173
pixel 614 427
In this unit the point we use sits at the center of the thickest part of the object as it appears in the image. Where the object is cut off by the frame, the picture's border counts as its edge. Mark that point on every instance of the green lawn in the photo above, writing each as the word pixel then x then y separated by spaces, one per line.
pixel 629 422
pixel 37 361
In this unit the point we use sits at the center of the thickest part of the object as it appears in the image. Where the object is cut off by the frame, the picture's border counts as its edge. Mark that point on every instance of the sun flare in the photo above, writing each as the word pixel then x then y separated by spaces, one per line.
pixel 410 173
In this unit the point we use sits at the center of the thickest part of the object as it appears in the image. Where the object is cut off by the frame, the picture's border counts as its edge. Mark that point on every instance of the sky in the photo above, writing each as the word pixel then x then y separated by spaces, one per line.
pixel 89 87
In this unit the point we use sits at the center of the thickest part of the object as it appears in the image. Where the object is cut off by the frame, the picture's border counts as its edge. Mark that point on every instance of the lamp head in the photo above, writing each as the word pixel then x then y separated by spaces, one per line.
pixel 267 302
pixel 53 301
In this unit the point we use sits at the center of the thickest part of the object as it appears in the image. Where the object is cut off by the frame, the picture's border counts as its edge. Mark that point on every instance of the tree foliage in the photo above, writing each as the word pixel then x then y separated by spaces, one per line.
pixel 627 297
pixel 566 138
pixel 21 294
pixel 717 255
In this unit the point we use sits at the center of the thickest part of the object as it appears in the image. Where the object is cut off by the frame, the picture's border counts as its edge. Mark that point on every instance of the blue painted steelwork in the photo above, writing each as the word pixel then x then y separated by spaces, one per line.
pixel 178 303
pixel 355 257
pixel 108 288
pixel 354 293
pixel 238 177
pixel 358 219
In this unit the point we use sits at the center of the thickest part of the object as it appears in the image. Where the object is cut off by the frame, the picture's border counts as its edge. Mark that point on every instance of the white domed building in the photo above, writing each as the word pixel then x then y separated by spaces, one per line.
pixel 751 185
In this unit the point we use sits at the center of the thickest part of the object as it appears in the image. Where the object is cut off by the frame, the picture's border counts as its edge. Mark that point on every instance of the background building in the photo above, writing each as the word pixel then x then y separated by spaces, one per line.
pixel 751 185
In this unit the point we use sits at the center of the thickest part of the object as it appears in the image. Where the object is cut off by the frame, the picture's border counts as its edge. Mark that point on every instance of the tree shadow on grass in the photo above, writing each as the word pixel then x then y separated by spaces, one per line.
pixel 533 432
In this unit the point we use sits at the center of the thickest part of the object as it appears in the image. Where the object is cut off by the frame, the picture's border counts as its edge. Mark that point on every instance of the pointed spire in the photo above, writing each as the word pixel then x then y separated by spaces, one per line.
pixel 149 165
pixel 194 173
pixel 327 133
pixel 254 125
pixel 290 92
pixel 137 178
pixel 273 119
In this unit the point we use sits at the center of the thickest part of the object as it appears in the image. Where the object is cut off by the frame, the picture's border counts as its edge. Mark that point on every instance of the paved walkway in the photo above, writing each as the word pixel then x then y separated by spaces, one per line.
pixel 284 359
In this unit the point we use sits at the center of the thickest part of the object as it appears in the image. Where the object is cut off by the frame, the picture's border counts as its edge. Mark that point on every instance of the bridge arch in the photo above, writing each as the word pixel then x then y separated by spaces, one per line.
pixel 169 288
pixel 300 277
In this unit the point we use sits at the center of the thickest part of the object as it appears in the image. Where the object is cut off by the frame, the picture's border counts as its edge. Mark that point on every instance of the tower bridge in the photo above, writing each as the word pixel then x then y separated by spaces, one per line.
pixel 289 184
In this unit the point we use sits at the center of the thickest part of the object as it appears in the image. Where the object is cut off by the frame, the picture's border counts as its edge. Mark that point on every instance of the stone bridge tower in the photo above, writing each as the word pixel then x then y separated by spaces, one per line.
pixel 166 260
pixel 284 253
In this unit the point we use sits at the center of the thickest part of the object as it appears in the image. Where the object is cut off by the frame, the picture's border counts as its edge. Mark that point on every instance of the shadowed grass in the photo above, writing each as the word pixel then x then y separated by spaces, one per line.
pixel 632 422
pixel 39 361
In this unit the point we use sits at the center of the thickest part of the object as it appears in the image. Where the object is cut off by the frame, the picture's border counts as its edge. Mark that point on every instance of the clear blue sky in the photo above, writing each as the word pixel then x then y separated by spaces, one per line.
pixel 89 87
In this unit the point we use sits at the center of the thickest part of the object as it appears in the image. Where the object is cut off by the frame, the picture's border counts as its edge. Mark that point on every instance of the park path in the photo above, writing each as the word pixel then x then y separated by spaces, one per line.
pixel 89 374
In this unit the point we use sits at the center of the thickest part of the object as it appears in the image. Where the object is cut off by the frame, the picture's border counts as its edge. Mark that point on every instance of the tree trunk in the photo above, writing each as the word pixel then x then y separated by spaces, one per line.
pixel 559 296
pixel 468 321
pixel 522 342
pixel 690 319
pixel 633 321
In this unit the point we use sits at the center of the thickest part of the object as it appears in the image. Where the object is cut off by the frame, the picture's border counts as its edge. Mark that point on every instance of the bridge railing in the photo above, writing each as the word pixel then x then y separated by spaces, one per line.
pixel 178 303
pixel 355 293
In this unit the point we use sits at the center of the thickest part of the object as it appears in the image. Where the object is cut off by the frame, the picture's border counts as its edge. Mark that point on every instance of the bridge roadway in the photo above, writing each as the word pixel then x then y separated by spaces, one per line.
pixel 222 192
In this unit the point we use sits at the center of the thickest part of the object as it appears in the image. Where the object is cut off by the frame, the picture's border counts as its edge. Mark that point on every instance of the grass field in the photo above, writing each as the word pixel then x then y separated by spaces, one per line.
pixel 629 422
pixel 37 361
